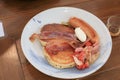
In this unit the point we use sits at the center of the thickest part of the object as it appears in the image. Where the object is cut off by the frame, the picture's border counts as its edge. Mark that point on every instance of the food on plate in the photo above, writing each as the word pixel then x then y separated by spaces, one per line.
pixel 65 46
pixel 80 34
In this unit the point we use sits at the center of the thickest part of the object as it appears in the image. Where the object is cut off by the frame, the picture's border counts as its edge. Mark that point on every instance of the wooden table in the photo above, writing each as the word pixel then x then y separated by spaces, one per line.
pixel 15 14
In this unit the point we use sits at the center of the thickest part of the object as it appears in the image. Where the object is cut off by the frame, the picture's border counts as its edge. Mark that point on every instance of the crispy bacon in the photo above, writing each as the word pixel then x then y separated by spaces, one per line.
pixel 59 31
pixel 57 45
pixel 46 35
pixel 58 28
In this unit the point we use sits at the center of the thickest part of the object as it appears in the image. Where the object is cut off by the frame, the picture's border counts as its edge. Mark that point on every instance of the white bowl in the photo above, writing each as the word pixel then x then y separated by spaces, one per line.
pixel 33 51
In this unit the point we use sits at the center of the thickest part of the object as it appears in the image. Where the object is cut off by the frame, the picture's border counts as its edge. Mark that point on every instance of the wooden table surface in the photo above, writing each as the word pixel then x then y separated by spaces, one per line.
pixel 15 14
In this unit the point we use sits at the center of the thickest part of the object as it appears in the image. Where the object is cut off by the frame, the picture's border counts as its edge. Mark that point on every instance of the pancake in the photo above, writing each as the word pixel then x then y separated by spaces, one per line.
pixel 59 53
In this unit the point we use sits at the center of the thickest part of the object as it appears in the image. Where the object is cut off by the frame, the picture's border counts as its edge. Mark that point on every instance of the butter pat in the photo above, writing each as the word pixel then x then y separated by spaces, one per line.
pixel 80 34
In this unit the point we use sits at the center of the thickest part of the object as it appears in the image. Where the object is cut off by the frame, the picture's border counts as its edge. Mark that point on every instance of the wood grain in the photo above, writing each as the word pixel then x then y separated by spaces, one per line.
pixel 10 68
pixel 108 75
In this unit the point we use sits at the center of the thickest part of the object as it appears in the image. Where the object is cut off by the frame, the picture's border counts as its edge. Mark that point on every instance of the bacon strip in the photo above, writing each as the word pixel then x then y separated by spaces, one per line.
pixel 57 45
pixel 57 31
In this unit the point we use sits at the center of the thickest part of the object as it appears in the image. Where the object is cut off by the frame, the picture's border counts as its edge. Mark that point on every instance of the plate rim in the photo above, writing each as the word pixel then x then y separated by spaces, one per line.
pixel 53 75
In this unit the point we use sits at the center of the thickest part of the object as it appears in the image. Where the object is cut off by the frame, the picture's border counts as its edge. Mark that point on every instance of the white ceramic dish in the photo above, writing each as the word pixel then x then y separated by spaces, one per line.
pixel 33 51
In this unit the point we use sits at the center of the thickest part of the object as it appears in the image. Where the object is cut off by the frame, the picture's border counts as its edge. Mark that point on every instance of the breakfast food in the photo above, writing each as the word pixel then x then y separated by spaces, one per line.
pixel 87 54
pixel 65 46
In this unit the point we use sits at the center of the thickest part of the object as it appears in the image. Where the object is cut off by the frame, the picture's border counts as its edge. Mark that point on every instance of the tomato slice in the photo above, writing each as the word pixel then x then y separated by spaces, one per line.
pixel 88 43
pixel 85 65
pixel 81 56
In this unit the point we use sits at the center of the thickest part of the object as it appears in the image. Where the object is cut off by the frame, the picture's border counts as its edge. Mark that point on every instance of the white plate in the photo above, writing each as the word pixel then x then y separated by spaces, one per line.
pixel 33 51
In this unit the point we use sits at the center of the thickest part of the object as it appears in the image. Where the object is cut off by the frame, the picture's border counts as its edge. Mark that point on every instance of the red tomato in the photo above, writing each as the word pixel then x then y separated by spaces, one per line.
pixel 88 43
pixel 81 56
